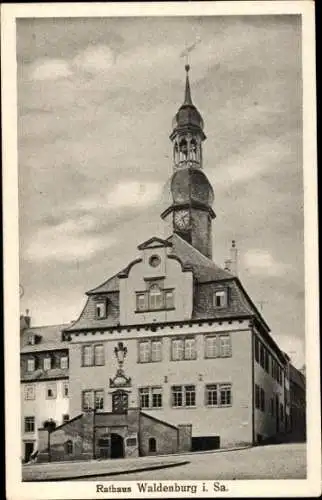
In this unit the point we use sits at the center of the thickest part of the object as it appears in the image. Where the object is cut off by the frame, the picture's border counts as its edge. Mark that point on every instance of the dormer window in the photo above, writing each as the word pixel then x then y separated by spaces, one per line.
pixel 31 339
pixel 101 310
pixel 220 299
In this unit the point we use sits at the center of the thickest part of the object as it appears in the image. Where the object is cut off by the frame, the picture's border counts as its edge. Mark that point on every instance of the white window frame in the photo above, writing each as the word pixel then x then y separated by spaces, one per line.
pixel 31 365
pixel 99 398
pixel 218 349
pixel 30 421
pixel 47 362
pixel 150 351
pixel 225 349
pixel 156 351
pixel 101 309
pixel 219 389
pixel 64 362
pixel 90 404
pixel 87 360
pixel 30 392
pixel 99 358
pixel 52 386
pixel 211 351
pixel 65 385
pixel 184 392
pixel 223 299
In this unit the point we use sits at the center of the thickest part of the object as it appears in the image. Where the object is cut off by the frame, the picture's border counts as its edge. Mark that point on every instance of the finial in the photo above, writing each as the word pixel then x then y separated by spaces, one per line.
pixel 187 94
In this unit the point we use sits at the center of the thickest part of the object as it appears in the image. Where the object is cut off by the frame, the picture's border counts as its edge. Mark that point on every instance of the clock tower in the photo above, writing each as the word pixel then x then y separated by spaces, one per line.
pixel 192 194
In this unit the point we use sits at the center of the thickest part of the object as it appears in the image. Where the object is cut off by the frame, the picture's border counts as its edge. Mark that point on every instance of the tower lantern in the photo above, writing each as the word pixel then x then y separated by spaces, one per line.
pixel 191 191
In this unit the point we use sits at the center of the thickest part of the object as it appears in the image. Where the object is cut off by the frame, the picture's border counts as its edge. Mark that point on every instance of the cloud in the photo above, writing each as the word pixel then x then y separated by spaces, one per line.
pixel 258 261
pixel 68 241
pixel 133 193
pixel 98 59
pixel 52 69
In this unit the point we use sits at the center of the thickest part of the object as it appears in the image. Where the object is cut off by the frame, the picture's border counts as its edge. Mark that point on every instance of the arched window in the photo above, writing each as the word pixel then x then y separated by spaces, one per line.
pixel 183 149
pixel 193 149
pixel 152 445
pixel 68 447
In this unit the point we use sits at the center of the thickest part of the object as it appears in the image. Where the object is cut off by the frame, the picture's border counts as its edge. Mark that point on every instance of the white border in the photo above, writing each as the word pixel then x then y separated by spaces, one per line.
pixel 278 488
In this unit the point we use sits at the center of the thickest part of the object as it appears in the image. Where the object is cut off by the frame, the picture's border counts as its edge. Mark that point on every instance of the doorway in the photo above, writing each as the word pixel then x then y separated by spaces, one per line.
pixel 117 446
pixel 120 401
pixel 104 446
pixel 29 448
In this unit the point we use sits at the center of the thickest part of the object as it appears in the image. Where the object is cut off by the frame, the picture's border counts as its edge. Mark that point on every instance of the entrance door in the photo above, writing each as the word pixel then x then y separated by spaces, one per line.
pixel 29 448
pixel 117 446
pixel 120 401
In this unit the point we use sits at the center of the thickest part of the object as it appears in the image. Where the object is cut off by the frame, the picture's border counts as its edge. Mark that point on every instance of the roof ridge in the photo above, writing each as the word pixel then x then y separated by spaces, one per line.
pixel 46 326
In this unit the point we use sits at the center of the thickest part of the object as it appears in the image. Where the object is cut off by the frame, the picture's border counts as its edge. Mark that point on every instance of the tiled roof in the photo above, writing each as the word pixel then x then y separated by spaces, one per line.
pixel 50 338
pixel 203 268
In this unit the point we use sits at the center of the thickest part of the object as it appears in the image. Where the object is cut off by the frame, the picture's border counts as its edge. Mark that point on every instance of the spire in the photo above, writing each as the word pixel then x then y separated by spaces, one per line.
pixel 187 94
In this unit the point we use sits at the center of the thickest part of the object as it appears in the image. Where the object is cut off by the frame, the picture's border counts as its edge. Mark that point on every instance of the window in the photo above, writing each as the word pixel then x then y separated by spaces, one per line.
pixel 154 261
pixel 184 348
pixel 51 391
pixel 64 362
pixel 140 302
pixel 65 389
pixel 150 397
pixel 262 399
pixel 68 447
pixel 262 356
pixel 225 346
pixel 93 355
pixel 152 445
pixel 47 363
pixel 256 349
pixel 218 395
pixel 98 355
pixel 30 392
pixel 266 361
pixel 87 355
pixel 29 424
pixel 183 396
pixel 218 346
pixel 220 299
pixel 257 397
pixel 91 397
pixel 31 365
pixel 150 351
pixel 155 298
pixel 65 418
pixel 31 339
pixel 225 395
pixel 100 308
pixel 99 400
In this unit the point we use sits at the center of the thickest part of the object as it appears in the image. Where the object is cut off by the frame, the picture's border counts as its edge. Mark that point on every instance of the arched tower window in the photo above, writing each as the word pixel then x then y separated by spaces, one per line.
pixel 183 150
pixel 152 445
pixel 193 150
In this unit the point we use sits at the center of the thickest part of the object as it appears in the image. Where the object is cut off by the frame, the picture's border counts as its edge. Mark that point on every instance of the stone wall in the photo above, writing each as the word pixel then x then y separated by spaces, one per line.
pixel 165 435
pixel 185 433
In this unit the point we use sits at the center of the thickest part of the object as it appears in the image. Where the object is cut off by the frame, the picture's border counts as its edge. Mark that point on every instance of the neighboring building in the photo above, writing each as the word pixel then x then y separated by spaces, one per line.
pixel 298 405
pixel 44 381
pixel 173 340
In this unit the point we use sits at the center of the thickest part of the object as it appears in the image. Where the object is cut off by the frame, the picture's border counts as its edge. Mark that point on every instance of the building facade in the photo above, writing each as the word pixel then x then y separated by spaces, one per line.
pixel 173 341
pixel 44 386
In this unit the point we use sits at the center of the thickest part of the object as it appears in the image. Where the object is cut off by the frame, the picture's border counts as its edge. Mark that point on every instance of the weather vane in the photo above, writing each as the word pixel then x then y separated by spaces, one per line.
pixel 188 49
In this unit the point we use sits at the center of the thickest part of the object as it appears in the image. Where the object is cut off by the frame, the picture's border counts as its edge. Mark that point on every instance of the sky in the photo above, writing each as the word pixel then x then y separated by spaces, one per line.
pixel 96 99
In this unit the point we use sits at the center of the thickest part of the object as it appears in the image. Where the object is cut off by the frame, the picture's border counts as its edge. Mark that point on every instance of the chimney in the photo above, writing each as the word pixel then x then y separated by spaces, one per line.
pixel 27 318
pixel 234 258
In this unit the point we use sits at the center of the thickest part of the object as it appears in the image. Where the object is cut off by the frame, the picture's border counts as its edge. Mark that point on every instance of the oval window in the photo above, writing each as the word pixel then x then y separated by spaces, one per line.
pixel 154 261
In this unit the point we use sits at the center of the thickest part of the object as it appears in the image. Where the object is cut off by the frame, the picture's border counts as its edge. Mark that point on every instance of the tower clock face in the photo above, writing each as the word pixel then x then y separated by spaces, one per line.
pixel 181 219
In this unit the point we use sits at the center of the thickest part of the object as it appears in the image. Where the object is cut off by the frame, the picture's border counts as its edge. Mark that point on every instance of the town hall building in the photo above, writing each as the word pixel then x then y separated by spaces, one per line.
pixel 170 354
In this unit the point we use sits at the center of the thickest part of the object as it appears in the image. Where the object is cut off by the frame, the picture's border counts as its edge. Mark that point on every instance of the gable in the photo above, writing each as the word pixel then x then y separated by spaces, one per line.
pixel 154 243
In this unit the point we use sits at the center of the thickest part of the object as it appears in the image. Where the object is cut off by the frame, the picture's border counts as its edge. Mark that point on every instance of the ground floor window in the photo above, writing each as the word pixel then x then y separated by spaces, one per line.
pixel 152 445
pixel 29 424
pixel 218 395
pixel 183 396
pixel 150 397
pixel 68 446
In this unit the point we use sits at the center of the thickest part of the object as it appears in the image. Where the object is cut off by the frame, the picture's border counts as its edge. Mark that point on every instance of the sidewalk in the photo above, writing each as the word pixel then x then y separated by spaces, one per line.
pixel 66 471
